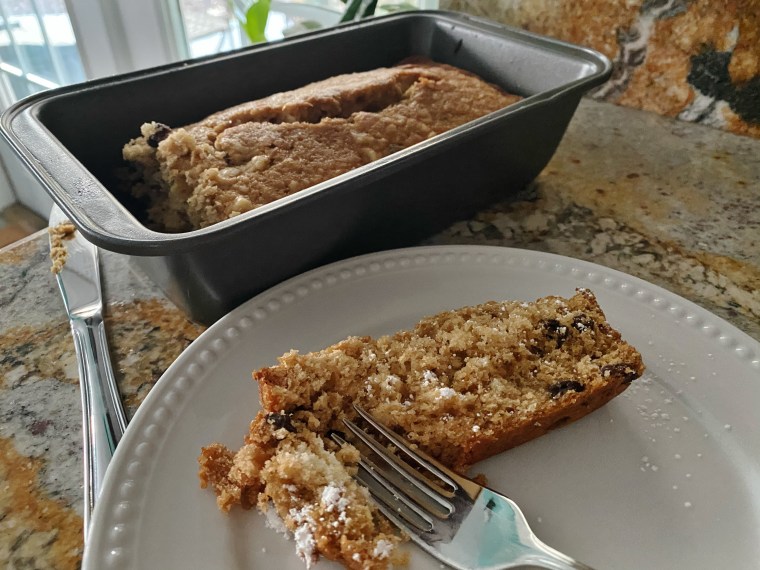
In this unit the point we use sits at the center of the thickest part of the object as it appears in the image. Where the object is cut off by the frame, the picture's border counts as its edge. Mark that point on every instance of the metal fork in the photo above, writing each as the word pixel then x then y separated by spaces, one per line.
pixel 458 521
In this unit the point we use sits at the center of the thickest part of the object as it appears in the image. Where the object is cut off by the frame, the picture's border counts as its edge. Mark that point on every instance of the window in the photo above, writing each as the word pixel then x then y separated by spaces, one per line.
pixel 49 43
pixel 37 48
pixel 211 26
pixel 208 27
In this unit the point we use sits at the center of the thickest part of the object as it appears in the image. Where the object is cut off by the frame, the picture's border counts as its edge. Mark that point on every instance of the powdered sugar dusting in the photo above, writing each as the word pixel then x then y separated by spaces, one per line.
pixel 274 522
pixel 306 545
pixel 429 376
pixel 392 380
pixel 332 498
pixel 446 392
pixel 383 549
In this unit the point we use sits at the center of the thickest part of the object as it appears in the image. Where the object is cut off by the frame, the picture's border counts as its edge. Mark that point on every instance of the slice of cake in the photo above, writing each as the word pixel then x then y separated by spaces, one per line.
pixel 463 385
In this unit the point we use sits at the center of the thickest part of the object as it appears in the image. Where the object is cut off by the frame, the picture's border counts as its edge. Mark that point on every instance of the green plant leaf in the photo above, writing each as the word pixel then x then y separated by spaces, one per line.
pixel 357 9
pixel 256 21
pixel 369 9
pixel 352 9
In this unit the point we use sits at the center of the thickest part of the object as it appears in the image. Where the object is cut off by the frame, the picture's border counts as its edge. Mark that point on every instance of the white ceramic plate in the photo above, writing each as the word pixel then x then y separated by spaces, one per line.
pixel 666 476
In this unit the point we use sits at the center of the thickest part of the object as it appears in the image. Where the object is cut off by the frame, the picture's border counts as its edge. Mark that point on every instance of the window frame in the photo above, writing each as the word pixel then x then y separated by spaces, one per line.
pixel 119 36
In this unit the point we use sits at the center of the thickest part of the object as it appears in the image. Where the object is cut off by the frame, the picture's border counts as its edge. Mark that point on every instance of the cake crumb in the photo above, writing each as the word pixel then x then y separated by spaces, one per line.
pixel 58 253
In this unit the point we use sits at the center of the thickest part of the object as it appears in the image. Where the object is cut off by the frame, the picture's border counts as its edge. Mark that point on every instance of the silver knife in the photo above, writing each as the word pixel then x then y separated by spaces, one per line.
pixel 103 417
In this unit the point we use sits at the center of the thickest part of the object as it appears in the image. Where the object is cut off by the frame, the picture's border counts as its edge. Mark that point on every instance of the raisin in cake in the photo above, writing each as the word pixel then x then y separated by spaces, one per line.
pixel 463 385
pixel 252 154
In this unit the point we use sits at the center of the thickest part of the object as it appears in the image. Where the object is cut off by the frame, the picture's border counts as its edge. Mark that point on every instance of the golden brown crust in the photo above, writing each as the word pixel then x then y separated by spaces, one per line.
pixel 573 408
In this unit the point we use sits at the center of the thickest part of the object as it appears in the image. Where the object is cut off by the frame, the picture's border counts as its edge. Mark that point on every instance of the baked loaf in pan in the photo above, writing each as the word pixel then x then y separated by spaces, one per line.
pixel 463 385
pixel 252 154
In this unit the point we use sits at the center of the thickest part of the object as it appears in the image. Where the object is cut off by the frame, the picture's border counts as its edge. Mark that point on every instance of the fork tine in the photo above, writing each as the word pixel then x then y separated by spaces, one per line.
pixel 407 474
pixel 478 516
pixel 427 499
pixel 394 516
pixel 385 493
pixel 423 537
pixel 422 526
pixel 419 457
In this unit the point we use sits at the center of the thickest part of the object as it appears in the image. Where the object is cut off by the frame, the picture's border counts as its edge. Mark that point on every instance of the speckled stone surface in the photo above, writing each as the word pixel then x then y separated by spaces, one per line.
pixel 671 202
pixel 40 410
pixel 674 203
pixel 698 60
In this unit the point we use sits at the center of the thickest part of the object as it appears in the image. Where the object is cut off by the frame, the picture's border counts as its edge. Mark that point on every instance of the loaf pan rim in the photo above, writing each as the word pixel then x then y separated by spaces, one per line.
pixel 154 243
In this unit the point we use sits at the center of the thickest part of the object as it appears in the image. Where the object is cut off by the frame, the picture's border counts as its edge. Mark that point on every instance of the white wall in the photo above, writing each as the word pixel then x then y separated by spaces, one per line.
pixel 28 190
pixel 6 194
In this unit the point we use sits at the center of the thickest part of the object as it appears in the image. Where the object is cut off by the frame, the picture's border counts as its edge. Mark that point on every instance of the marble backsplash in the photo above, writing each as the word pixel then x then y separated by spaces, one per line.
pixel 698 60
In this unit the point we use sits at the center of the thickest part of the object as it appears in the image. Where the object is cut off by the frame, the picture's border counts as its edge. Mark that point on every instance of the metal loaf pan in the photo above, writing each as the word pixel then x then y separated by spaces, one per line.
pixel 71 138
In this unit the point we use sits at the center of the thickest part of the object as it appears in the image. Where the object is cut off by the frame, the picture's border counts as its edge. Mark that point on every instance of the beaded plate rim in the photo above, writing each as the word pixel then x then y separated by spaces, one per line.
pixel 111 536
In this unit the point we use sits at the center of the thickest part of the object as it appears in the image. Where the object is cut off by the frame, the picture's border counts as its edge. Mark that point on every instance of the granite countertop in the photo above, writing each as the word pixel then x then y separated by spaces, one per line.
pixel 670 202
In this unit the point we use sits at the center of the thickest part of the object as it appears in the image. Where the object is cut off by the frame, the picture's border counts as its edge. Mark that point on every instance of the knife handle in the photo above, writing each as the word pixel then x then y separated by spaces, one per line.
pixel 103 418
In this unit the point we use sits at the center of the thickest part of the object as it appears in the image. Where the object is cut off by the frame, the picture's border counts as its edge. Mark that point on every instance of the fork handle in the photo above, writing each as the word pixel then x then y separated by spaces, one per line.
pixel 103 418
pixel 546 557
